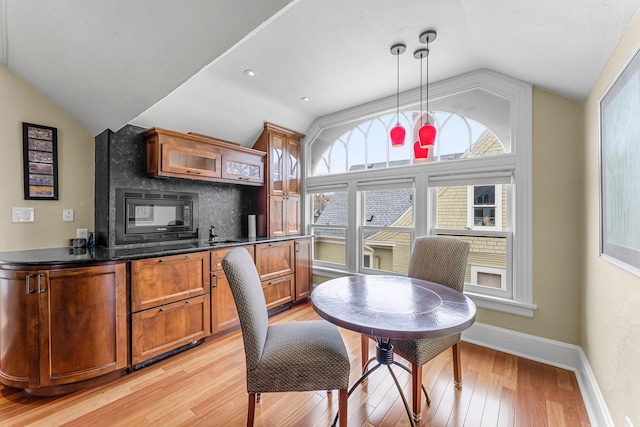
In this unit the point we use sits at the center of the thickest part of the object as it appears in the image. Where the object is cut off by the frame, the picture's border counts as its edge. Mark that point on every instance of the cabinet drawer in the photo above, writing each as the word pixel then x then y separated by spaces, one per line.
pixel 218 255
pixel 162 329
pixel 278 291
pixel 275 259
pixel 162 280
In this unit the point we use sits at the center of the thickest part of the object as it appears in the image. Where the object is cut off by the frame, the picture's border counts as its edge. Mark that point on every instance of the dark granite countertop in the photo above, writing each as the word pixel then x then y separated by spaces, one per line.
pixel 70 256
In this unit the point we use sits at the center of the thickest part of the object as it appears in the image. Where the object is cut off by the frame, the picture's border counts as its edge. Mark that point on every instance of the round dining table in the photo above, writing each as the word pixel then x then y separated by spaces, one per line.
pixel 392 307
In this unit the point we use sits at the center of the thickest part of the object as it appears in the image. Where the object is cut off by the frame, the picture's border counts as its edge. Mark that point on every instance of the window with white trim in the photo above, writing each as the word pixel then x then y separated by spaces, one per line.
pixel 466 188
pixel 484 207
pixel 386 226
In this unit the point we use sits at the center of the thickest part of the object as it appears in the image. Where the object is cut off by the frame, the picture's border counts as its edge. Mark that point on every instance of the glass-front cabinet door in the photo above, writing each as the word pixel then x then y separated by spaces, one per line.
pixel 182 159
pixel 293 166
pixel 244 168
pixel 277 164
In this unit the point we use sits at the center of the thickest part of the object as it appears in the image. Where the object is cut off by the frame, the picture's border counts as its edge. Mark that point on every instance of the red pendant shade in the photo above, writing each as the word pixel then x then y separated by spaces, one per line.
pixel 427 135
pixel 397 134
pixel 420 152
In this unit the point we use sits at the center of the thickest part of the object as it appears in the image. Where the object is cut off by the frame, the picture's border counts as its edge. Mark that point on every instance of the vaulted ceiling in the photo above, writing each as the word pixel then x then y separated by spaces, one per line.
pixel 180 64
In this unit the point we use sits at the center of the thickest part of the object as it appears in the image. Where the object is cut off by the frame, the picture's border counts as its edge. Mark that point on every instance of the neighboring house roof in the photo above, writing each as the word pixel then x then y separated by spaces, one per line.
pixel 383 208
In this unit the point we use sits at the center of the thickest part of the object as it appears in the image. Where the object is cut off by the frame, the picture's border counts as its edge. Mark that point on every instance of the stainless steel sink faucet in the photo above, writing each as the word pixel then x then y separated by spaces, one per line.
pixel 213 233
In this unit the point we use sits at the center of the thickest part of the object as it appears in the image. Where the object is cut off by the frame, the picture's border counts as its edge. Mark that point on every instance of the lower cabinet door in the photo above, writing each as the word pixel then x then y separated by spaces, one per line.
pixel 278 291
pixel 224 314
pixel 161 329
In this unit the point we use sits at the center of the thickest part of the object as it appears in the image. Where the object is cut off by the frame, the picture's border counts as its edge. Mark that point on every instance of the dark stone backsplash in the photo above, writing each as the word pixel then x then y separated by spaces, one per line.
pixel 121 163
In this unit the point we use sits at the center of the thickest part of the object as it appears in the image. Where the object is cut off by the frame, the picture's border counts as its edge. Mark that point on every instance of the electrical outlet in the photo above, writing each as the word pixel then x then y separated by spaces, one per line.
pixel 82 233
pixel 67 215
pixel 627 422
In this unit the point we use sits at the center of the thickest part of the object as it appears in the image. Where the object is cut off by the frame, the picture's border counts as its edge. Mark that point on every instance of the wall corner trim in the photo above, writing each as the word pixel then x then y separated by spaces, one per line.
pixel 554 353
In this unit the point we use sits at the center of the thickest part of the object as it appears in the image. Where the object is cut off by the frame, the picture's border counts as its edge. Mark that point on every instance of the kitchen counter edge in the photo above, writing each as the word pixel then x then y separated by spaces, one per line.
pixel 65 256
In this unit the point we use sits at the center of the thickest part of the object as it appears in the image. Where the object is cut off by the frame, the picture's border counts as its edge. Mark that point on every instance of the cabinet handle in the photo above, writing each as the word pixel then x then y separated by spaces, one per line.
pixel 187 256
pixel 173 308
pixel 297 247
pixel 275 282
pixel 27 280
pixel 276 244
pixel 41 289
pixel 161 260
pixel 213 274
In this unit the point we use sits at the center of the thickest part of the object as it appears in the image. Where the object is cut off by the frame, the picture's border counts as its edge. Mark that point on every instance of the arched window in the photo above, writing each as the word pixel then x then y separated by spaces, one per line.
pixel 367 145
pixel 367 201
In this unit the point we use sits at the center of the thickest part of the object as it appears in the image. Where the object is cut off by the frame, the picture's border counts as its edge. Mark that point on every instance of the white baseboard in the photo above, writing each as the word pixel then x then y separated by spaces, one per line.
pixel 554 353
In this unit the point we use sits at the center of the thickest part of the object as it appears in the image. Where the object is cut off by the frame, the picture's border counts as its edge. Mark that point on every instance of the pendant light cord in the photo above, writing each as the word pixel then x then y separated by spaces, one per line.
pixel 427 111
pixel 421 119
pixel 398 90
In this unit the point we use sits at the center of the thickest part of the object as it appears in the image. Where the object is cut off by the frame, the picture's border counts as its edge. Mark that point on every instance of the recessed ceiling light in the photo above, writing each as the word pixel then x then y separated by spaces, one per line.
pixel 305 99
pixel 250 73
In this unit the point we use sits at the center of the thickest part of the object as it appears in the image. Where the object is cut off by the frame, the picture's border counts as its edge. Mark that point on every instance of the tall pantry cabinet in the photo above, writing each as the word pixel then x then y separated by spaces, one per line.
pixel 279 214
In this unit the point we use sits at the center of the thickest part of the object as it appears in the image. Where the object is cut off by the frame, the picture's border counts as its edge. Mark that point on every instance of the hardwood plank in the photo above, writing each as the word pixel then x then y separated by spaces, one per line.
pixel 555 415
pixel 206 386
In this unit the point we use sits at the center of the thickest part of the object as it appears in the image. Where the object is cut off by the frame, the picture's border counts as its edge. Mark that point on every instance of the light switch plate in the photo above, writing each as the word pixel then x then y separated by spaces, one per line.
pixel 22 214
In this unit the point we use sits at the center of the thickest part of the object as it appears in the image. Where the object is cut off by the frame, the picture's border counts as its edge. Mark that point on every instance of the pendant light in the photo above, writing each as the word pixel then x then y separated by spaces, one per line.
pixel 398 133
pixel 427 133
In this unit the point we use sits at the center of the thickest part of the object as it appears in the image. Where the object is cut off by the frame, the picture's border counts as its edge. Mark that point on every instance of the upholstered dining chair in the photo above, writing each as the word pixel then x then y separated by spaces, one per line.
pixel 441 260
pixel 294 356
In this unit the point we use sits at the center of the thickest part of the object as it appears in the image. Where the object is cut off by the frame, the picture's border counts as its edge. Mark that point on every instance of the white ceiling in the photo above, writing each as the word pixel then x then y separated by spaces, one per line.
pixel 180 64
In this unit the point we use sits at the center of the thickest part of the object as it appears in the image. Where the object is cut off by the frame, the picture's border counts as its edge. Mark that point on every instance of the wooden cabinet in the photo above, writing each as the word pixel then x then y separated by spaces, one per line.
pixel 186 159
pixel 192 156
pixel 67 325
pixel 304 272
pixel 243 167
pixel 161 329
pixel 280 199
pixel 224 315
pixel 276 267
pixel 161 280
pixel 170 303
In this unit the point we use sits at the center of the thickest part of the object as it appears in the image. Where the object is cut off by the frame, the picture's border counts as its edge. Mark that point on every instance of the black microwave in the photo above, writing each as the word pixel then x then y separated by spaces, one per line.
pixel 153 216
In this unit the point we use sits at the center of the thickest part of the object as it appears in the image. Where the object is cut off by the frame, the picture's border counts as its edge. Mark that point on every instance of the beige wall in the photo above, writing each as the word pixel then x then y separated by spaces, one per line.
pixel 611 297
pixel 557 215
pixel 19 103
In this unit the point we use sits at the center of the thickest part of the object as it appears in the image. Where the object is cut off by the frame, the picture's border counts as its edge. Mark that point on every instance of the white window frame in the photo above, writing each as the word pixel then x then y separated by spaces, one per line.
pixel 516 163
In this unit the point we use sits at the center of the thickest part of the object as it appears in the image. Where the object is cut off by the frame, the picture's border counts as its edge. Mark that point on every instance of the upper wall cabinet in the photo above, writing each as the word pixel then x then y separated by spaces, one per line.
pixel 281 195
pixel 192 156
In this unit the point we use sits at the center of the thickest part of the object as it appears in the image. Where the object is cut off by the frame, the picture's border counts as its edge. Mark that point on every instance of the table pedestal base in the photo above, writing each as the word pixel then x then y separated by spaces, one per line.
pixel 384 357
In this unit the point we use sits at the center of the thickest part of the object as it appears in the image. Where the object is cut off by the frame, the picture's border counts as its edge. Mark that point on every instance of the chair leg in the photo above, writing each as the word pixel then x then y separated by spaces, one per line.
pixel 343 397
pixel 252 409
pixel 364 349
pixel 416 391
pixel 457 371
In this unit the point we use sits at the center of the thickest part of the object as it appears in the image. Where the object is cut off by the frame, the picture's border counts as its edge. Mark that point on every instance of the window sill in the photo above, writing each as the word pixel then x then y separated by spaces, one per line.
pixel 502 304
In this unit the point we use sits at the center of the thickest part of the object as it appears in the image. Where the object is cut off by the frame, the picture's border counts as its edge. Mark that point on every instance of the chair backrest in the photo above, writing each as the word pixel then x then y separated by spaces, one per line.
pixel 249 298
pixel 440 259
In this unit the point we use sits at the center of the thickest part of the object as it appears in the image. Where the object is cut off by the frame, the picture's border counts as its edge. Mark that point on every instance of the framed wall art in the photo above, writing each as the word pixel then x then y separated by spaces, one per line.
pixel 40 148
pixel 619 170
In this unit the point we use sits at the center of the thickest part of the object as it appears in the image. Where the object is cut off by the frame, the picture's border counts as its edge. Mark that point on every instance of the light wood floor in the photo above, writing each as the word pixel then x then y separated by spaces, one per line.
pixel 205 386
